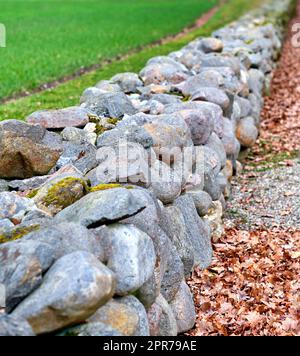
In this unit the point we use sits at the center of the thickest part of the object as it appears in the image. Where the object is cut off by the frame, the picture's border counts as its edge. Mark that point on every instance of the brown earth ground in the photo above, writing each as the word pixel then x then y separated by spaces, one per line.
pixel 253 285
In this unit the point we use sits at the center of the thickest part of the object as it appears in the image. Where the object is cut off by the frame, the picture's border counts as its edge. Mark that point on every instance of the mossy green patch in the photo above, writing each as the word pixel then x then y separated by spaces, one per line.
pixel 65 192
pixel 17 233
pixel 32 193
pixel 100 187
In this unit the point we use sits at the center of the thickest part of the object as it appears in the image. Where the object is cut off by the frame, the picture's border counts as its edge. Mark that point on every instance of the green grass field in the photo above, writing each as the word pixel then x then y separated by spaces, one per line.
pixel 67 94
pixel 50 39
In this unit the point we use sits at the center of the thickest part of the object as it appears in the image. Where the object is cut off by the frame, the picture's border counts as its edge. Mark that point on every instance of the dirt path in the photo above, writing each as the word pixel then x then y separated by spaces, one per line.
pixel 253 286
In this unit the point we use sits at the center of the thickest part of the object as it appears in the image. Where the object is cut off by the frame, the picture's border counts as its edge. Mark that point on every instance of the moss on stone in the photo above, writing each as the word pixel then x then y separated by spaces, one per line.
pixel 113 121
pixel 17 233
pixel 100 129
pixel 61 195
pixel 100 187
pixel 32 193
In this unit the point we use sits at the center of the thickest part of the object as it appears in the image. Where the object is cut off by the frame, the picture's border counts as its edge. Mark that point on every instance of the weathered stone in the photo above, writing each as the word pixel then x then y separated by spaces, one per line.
pixel 119 316
pixel 11 326
pixel 166 99
pixel 165 183
pixel 102 207
pixel 128 82
pixel 245 106
pixel 208 45
pixel 230 142
pixel 73 134
pixel 91 329
pixel 129 133
pixel 215 144
pixel 173 276
pixel 81 156
pixel 184 309
pixel 28 184
pixel 174 224
pixel 211 112
pixel 215 60
pixel 58 119
pixel 26 150
pixel 4 187
pixel 126 163
pixel 163 70
pixel 130 253
pixel 106 86
pixel 214 218
pixel 60 192
pixel 247 132
pixel 14 207
pixel 149 221
pixel 114 105
pixel 161 319
pixel 201 125
pixel 202 201
pixel 65 297
pixel 207 78
pixel 212 95
pixel 66 238
pixel 150 290
pixel 134 303
pixel 198 231
pixel 22 266
pixel 167 138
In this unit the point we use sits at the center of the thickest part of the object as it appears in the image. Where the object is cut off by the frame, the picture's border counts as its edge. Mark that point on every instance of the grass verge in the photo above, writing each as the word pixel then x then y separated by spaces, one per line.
pixel 68 94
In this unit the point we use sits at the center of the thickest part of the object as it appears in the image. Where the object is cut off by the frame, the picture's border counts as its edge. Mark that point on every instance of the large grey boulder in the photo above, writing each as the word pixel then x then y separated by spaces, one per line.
pixel 129 133
pixel 106 86
pixel 4 187
pixel 75 287
pixel 11 326
pixel 211 112
pixel 23 264
pixel 130 253
pixel 209 45
pixel 199 232
pixel 166 183
pixel 212 95
pixel 247 132
pixel 66 238
pixel 79 136
pixel 162 70
pixel 174 224
pixel 173 275
pixel 26 150
pixel 161 319
pixel 101 207
pixel 91 329
pixel 119 316
pixel 184 309
pixel 202 200
pixel 148 221
pixel 58 119
pixel 114 105
pixel 134 303
pixel 128 82
pixel 126 163
pixel 14 207
pixel 81 156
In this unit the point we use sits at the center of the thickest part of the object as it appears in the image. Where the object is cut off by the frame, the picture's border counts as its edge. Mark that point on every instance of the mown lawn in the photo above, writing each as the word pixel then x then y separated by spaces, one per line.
pixel 68 94
pixel 49 39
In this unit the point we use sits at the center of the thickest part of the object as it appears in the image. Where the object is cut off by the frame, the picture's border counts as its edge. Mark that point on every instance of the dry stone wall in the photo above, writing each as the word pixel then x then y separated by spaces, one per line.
pixel 106 208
